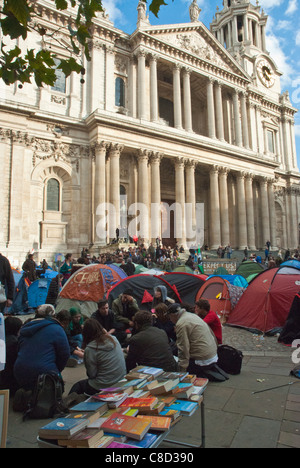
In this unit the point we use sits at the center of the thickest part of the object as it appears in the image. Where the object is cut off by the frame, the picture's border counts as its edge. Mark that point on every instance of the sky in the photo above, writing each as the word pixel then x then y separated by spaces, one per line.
pixel 283 34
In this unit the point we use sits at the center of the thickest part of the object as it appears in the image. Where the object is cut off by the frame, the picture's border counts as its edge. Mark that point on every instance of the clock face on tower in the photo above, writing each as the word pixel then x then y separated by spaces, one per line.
pixel 265 73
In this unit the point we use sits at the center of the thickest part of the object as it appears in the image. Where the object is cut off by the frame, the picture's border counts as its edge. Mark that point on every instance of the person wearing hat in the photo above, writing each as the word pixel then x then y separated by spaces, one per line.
pixel 124 308
pixel 197 345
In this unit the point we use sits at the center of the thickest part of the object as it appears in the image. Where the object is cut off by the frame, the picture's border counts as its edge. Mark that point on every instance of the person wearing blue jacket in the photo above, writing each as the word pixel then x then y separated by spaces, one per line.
pixel 43 348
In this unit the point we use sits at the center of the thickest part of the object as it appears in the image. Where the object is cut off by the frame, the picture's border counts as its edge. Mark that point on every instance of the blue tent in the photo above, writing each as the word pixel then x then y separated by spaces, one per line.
pixel 291 263
pixel 235 280
pixel 38 291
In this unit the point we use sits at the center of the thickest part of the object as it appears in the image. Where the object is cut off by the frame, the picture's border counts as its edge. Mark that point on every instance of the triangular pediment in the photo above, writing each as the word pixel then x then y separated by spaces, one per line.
pixel 197 40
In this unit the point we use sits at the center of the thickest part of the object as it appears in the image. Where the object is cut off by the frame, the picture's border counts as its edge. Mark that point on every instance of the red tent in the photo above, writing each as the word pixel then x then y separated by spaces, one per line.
pixel 266 303
pixel 221 295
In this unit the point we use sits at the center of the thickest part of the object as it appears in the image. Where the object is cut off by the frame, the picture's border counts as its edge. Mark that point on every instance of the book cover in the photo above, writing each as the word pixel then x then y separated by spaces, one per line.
pixel 112 399
pixel 141 393
pixel 185 407
pixel 183 390
pixel 146 403
pixel 154 371
pixel 154 411
pixel 172 376
pixel 132 375
pixel 131 412
pixel 170 413
pixel 157 423
pixel 62 428
pixel 89 406
pixel 118 389
pixel 130 426
pixel 167 400
pixel 88 415
pixel 146 441
pixel 97 423
pixel 199 382
pixel 85 438
pixel 189 378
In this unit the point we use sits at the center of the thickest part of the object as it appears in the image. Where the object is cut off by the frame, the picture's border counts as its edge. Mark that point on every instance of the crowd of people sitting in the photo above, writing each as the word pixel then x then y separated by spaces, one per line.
pixel 174 337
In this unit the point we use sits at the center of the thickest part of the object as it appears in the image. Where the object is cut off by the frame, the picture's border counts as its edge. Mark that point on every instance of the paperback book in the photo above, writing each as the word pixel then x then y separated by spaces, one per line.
pixel 127 425
pixel 112 399
pixel 62 428
pixel 86 438
pixel 186 407
pixel 146 403
pixel 157 423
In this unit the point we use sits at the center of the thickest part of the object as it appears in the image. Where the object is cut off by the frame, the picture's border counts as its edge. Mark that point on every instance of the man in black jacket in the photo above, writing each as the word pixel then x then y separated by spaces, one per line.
pixel 7 280
pixel 149 346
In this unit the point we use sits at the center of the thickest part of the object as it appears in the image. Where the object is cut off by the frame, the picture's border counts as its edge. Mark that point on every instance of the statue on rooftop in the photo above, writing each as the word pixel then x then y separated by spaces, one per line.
pixel 194 11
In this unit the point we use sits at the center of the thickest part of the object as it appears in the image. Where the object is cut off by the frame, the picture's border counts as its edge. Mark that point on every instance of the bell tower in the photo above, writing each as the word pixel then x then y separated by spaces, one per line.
pixel 241 27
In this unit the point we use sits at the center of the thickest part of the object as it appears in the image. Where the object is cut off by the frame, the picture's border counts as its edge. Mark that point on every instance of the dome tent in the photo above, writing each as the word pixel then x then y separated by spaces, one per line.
pixel 266 303
pixel 221 295
pixel 249 268
pixel 87 286
pixel 143 287
pixel 291 329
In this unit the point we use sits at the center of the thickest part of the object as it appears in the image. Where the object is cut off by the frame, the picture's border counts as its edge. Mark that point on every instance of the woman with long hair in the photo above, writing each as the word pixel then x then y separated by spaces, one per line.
pixel 103 359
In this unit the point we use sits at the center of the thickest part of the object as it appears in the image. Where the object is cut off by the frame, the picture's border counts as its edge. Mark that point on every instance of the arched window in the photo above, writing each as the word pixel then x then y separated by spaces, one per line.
pixel 119 92
pixel 52 195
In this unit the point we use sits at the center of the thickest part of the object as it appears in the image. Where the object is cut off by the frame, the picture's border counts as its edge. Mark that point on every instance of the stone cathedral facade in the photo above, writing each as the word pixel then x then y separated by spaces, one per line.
pixel 174 114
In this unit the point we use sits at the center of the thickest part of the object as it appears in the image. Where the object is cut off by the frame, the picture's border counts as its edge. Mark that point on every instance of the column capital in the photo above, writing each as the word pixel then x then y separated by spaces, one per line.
pixel 177 66
pixel 191 163
pixel 180 163
pixel 241 174
pixel 249 176
pixel 156 157
pixel 115 149
pixel 187 70
pixel 143 154
pixel 153 57
pixel 214 169
pixel 224 171
pixel 141 53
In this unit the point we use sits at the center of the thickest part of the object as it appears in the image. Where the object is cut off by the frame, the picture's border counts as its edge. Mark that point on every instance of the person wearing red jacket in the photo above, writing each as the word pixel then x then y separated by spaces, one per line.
pixel 202 309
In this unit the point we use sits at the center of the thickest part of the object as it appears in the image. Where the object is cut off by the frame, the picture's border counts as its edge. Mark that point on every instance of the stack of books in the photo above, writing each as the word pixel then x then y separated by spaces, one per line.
pixel 132 413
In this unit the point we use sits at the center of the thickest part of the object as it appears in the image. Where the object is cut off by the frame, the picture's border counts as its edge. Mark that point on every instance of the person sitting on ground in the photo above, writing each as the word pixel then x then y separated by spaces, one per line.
pixel 106 318
pixel 149 346
pixel 76 325
pixel 64 318
pixel 161 297
pixel 202 309
pixel 12 326
pixel 163 322
pixel 197 345
pixel 124 308
pixel 43 348
pixel 103 358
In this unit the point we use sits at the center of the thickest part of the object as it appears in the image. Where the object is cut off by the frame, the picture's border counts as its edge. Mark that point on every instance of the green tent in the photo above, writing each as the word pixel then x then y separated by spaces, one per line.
pixel 183 269
pixel 249 268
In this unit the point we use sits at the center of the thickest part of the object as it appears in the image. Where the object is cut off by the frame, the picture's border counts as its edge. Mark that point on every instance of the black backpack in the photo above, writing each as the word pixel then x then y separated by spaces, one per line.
pixel 230 359
pixel 46 397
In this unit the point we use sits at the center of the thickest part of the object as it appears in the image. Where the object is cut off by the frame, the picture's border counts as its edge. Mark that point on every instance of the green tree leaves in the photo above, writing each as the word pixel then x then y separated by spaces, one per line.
pixel 16 21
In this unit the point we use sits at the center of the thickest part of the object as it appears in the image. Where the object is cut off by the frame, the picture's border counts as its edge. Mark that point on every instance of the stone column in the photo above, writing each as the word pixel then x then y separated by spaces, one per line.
pixel 153 89
pixel 155 196
pixel 100 192
pixel 141 84
pixel 191 222
pixel 250 211
pixel 237 119
pixel 211 109
pixel 273 224
pixel 242 218
pixel 265 209
pixel 180 228
pixel 114 216
pixel 110 78
pixel 177 97
pixel 187 104
pixel 224 207
pixel 294 229
pixel 244 121
pixel 143 192
pixel 219 112
pixel 286 143
pixel 215 229
pixel 132 85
